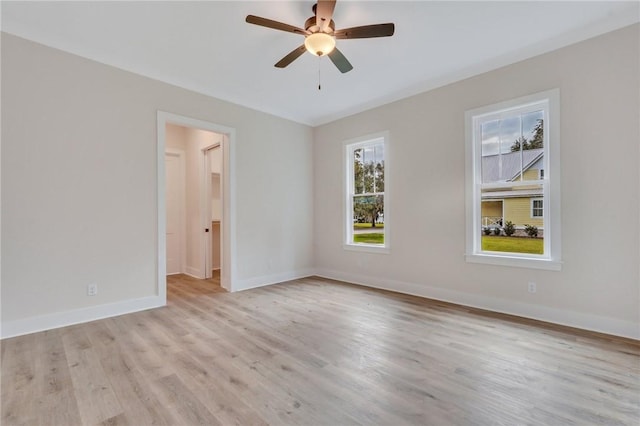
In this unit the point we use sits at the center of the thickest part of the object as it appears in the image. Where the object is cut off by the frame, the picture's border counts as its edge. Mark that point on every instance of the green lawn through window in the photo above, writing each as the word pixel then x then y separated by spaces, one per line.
pixel 373 238
pixel 367 225
pixel 513 244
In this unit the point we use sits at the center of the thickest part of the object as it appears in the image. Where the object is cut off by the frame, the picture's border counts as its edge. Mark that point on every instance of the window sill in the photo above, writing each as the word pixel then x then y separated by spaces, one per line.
pixel 367 248
pixel 517 262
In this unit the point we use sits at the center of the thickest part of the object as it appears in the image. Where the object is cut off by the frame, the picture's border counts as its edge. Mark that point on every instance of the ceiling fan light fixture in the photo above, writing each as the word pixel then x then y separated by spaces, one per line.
pixel 320 44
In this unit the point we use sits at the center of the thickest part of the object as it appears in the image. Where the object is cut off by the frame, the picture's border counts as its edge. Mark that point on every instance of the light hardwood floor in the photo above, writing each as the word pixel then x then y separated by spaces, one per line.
pixel 317 352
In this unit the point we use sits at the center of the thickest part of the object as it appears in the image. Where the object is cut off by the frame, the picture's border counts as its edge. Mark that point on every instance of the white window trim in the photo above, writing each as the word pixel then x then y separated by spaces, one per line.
pixel 552 258
pixel 532 208
pixel 347 229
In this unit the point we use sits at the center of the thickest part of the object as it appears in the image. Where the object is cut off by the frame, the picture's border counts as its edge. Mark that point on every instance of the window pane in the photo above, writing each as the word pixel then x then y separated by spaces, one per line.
pixel 368 219
pixel 358 172
pixel 511 148
pixel 501 162
pixel 533 130
pixel 533 134
pixel 379 168
pixel 368 164
pixel 510 133
pixel 490 137
pixel 507 222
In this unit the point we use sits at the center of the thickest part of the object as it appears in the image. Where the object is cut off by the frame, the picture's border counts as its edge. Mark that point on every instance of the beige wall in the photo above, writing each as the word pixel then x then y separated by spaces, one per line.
pixel 598 286
pixel 79 185
pixel 215 174
pixel 176 137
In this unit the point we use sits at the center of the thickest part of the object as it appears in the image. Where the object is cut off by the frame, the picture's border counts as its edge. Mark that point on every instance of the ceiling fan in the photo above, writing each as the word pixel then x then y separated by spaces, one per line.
pixel 320 34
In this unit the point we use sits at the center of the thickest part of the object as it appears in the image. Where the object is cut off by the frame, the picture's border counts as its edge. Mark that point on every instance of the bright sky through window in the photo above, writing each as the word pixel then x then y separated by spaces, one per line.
pixel 499 135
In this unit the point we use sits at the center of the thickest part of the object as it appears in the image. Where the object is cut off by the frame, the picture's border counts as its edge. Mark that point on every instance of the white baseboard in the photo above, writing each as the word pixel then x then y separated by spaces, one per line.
pixel 193 272
pixel 596 323
pixel 77 316
pixel 265 280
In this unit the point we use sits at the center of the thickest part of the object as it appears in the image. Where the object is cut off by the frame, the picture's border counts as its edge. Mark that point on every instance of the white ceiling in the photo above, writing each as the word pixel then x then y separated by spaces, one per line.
pixel 207 47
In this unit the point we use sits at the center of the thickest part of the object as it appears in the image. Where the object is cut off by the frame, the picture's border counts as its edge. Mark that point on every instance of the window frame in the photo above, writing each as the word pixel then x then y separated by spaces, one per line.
pixel 349 146
pixel 551 259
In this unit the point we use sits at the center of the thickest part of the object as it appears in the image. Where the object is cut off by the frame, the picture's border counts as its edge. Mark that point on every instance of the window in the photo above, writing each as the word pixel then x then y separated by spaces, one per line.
pixel 512 184
pixel 536 208
pixel 367 195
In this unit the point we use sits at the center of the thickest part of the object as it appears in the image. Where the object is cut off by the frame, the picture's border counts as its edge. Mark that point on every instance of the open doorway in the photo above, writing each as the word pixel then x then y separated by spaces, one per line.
pixel 195 200
pixel 193 170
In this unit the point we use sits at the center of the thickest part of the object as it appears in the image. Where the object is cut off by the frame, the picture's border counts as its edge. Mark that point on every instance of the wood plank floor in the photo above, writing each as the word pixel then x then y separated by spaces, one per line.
pixel 316 352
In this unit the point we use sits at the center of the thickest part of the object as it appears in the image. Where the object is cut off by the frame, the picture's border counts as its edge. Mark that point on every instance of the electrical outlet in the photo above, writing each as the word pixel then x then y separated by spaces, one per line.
pixel 532 287
pixel 92 289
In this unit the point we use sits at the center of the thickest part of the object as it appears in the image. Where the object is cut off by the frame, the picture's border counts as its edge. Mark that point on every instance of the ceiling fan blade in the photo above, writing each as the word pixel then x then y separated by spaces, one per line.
pixel 292 56
pixel 264 22
pixel 324 13
pixel 340 61
pixel 366 31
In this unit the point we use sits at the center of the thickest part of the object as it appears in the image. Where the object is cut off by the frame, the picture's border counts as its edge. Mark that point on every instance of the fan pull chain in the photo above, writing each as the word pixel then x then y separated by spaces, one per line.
pixel 319 85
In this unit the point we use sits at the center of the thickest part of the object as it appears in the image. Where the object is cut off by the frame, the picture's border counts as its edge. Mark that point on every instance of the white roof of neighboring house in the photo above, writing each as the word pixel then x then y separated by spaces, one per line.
pixel 510 164
pixel 499 195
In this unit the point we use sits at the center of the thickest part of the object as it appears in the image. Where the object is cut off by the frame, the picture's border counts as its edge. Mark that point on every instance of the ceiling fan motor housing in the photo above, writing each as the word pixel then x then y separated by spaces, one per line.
pixel 311 26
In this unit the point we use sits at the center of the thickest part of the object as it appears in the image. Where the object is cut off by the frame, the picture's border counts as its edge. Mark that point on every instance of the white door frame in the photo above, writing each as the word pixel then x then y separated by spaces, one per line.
pixel 228 231
pixel 183 205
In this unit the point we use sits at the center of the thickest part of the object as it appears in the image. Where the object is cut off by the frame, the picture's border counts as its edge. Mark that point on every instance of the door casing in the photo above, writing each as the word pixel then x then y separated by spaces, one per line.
pixel 228 229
